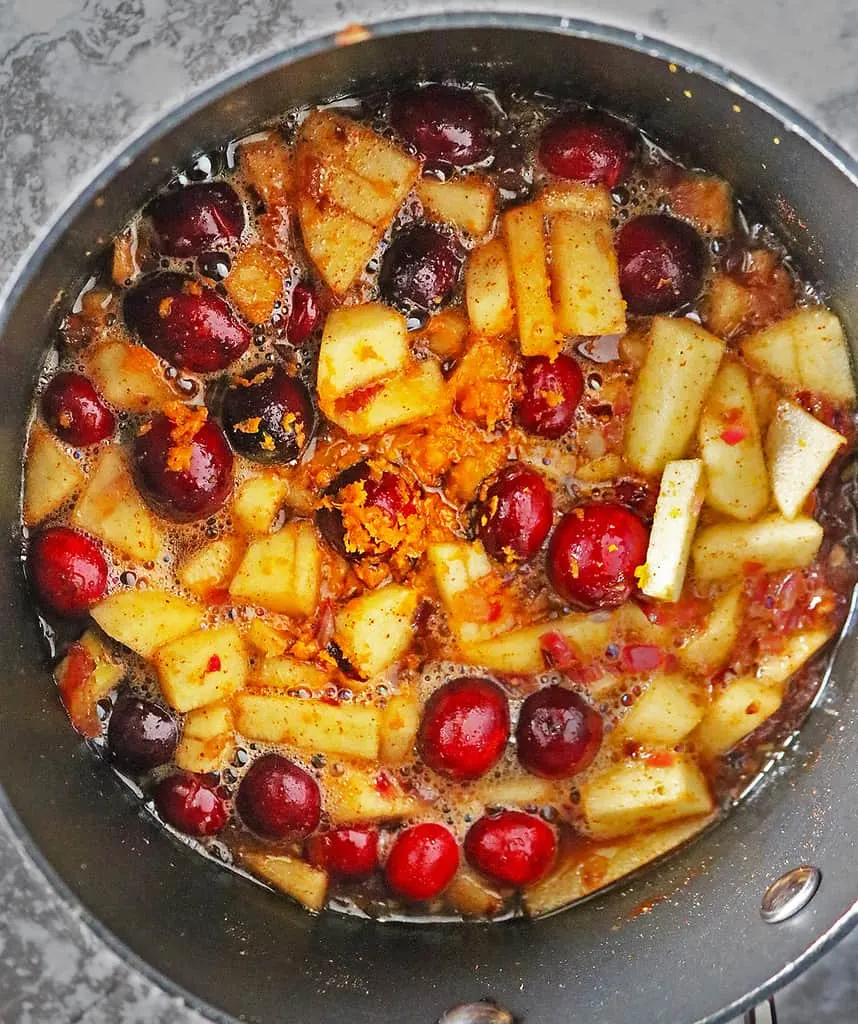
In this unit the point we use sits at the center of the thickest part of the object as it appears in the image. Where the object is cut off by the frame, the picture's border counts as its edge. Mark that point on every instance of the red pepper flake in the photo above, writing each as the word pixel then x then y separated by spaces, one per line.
pixel 660 759
pixel 733 435
pixel 385 784
pixel 640 658
pixel 214 664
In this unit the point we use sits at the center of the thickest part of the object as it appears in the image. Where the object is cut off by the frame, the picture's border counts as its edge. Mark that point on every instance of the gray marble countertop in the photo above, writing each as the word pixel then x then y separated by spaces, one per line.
pixel 76 79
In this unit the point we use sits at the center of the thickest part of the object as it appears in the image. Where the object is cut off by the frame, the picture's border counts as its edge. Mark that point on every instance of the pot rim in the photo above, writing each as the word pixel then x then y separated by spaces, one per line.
pixel 28 265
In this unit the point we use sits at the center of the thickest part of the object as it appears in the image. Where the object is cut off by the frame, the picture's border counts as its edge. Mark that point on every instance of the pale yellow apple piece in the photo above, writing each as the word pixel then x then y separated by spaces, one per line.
pixel 208 739
pixel 417 393
pixel 799 449
pixel 771 544
pixel 669 708
pixel 338 244
pixel 527 257
pixel 488 290
pixel 254 283
pixel 677 509
pixel 776 669
pixel 576 197
pixel 281 572
pixel 400 721
pixel 212 567
pixel 202 667
pixel 292 876
pixel 456 566
pixel 285 673
pixel 357 795
pixel 144 620
pixel 130 377
pixel 374 629
pixel 472 896
pixel 360 345
pixel 266 640
pixel 51 475
pixel 585 283
pixel 738 709
pixel 469 203
pixel 257 500
pixel 709 648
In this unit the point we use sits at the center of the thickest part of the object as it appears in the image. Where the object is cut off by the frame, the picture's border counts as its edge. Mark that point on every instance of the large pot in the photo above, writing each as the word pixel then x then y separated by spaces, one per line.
pixel 702 951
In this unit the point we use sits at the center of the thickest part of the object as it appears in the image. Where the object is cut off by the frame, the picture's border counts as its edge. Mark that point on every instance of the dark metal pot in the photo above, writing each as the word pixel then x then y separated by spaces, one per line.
pixel 702 951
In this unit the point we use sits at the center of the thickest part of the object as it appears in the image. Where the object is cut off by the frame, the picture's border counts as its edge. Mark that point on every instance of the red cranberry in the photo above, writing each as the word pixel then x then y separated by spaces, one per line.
pixel 421 268
pixel 68 570
pixel 422 862
pixel 552 391
pixel 465 728
pixel 587 147
pixel 305 314
pixel 278 799
pixel 512 847
pixel 191 804
pixel 183 464
pixel 75 411
pixel 558 733
pixel 187 324
pixel 661 262
pixel 443 124
pixel 350 851
pixel 593 554
pixel 190 220
pixel 268 415
pixel 141 735
pixel 514 516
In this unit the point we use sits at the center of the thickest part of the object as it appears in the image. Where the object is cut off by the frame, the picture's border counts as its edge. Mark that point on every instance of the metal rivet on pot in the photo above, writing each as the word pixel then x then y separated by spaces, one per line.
pixel 484 1012
pixel 790 893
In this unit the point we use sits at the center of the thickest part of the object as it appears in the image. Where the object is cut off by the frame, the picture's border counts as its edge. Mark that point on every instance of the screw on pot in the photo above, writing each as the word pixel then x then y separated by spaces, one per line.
pixel 789 894
pixel 483 1012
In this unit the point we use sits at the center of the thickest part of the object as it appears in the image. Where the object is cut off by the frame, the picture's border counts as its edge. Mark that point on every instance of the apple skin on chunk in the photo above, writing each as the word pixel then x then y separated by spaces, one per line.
pixel 799 449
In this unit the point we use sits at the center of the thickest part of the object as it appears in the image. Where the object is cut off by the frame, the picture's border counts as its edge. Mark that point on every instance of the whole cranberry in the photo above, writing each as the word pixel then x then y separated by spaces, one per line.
pixel 141 735
pixel 514 514
pixel 512 847
pixel 421 268
pixel 268 415
pixel 552 391
pixel 350 851
pixel 444 125
pixel 465 728
pixel 75 412
pixel 186 323
pixel 661 263
pixel 183 465
pixel 191 803
pixel 593 554
pixel 195 218
pixel 422 862
pixel 68 570
pixel 305 314
pixel 385 490
pixel 278 799
pixel 589 147
pixel 558 733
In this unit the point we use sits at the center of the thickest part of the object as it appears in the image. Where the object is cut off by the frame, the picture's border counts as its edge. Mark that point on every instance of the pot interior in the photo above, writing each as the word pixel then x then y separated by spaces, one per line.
pixel 701 945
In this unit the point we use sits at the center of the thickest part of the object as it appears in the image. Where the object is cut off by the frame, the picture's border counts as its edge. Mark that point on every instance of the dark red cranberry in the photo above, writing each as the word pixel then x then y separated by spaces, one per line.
pixel 593 554
pixel 422 862
pixel 192 804
pixel 189 325
pixel 558 733
pixel 421 268
pixel 552 391
pixel 465 728
pixel 514 514
pixel 183 465
pixel 661 262
pixel 305 314
pixel 384 489
pixel 278 799
pixel 75 411
pixel 141 735
pixel 268 415
pixel 444 125
pixel 350 851
pixel 587 147
pixel 68 570
pixel 190 220
pixel 512 847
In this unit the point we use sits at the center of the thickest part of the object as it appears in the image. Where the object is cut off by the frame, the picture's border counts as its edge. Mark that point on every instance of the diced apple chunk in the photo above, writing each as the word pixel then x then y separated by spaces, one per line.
pixel 585 284
pixel 85 675
pixel 257 501
pixel 267 640
pixel 635 794
pixel 51 476
pixel 576 197
pixel 775 669
pixel 202 667
pixel 339 245
pixel 374 630
pixel 769 545
pixel 417 393
pixel 706 201
pixel 285 673
pixel 208 739
pixel 267 166
pixel 665 713
pixel 737 710
pixel 339 730
pixel 488 291
pixel 709 649
pixel 357 795
pixel 469 203
pixel 255 282
pixel 144 620
pixel 799 449
pixel 471 896
pixel 281 572
pixel 212 567
pixel 400 720
pixel 456 566
pixel 522 790
pixel 360 345
pixel 680 498
pixel 292 876
pixel 679 369
pixel 445 333
pixel 129 376
pixel 528 265
pixel 111 509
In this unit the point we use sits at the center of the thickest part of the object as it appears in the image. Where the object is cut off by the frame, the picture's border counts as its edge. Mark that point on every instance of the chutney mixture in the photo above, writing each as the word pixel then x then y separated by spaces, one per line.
pixel 436 502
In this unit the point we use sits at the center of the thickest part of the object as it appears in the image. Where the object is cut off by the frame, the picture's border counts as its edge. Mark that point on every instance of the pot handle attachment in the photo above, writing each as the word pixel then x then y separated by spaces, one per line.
pixel 765 1013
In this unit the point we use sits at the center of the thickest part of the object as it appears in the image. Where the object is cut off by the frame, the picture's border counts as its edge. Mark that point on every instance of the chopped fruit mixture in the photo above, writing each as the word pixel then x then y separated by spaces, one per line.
pixel 444 507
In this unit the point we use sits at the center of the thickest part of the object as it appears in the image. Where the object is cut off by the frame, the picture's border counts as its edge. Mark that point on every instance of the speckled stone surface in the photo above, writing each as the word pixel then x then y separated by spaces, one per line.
pixel 76 79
